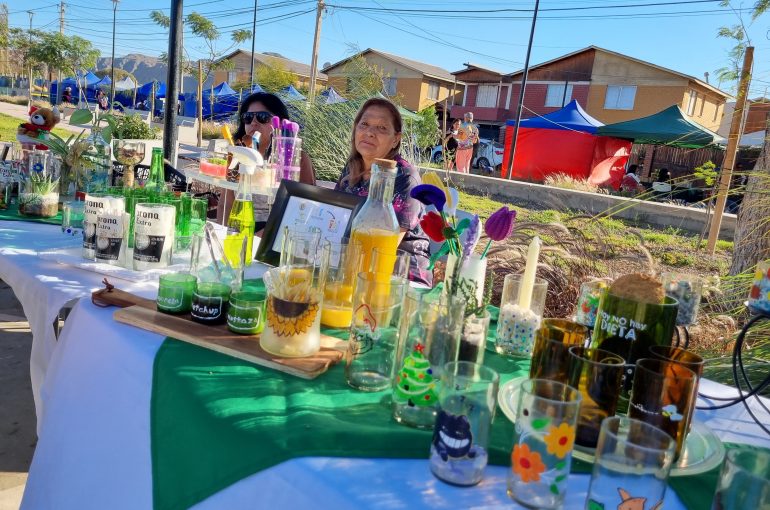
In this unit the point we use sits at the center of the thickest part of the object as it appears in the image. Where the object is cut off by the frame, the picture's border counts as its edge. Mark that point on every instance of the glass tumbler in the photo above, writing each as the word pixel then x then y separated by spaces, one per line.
pixel 633 461
pixel 344 264
pixel 246 312
pixel 467 401
pixel 516 325
pixel 550 357
pixel 543 439
pixel 745 481
pixel 175 293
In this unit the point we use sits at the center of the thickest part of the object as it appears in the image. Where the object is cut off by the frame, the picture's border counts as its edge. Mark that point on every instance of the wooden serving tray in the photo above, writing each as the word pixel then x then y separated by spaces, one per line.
pixel 142 313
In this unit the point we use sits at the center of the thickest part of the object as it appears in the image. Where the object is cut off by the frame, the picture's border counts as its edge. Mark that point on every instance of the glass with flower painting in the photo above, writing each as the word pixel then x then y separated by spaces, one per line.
pixel 294 299
pixel 543 439
pixel 467 400
pixel 759 295
pixel 588 302
pixel 662 396
pixel 429 337
pixel 633 461
pixel 376 312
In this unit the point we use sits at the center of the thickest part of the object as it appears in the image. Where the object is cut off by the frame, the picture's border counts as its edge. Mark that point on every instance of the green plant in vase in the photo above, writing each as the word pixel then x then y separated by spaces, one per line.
pixel 41 197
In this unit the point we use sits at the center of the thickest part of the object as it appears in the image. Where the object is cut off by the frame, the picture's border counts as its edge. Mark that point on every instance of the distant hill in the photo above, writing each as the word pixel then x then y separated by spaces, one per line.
pixel 146 68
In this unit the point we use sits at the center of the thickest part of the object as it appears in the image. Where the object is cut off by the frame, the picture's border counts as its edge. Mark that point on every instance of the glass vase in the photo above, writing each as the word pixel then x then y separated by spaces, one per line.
pixel 95 172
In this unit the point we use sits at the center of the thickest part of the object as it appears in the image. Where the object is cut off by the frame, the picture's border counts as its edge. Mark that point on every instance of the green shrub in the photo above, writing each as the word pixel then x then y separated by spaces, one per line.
pixel 21 100
pixel 133 127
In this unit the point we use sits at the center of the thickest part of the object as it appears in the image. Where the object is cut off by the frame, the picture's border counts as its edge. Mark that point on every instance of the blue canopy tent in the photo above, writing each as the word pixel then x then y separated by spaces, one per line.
pixel 66 82
pixel 223 99
pixel 143 92
pixel 331 96
pixel 104 82
pixel 291 94
pixel 571 117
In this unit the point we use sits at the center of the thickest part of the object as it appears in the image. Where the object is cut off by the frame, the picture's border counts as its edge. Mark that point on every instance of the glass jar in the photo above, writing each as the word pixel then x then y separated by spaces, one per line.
pixel 95 172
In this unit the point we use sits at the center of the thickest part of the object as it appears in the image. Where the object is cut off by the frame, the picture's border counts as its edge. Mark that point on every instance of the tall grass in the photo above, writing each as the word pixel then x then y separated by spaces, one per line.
pixel 561 180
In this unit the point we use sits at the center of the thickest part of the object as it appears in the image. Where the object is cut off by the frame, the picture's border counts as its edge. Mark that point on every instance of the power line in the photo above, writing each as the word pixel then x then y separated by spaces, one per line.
pixel 617 6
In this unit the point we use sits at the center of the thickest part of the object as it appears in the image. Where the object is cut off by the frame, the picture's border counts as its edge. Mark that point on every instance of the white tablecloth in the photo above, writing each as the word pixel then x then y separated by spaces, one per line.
pixel 94 447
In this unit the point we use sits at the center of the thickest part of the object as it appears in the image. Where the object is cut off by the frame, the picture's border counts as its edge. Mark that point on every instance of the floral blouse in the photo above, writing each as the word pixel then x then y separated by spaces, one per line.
pixel 408 213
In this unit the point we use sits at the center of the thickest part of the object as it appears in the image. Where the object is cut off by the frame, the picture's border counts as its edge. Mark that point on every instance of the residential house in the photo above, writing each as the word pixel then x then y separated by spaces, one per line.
pixel 610 86
pixel 240 69
pixel 417 84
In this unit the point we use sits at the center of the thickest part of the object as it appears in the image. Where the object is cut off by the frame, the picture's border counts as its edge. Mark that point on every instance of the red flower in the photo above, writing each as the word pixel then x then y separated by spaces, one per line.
pixel 433 225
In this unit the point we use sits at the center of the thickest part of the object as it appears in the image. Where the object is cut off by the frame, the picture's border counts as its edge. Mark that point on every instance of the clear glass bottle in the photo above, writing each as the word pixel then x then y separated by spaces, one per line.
pixel 375 226
pixel 96 168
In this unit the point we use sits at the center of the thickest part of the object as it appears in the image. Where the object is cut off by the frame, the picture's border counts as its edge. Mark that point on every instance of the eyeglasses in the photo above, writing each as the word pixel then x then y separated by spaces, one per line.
pixel 262 117
pixel 377 130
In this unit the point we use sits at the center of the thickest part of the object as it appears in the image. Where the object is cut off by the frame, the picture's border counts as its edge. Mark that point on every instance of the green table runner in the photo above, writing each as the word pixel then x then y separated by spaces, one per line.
pixel 216 420
pixel 12 214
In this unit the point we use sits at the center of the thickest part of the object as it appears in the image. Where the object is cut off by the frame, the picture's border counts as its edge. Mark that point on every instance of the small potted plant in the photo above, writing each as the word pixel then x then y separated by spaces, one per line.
pixel 40 197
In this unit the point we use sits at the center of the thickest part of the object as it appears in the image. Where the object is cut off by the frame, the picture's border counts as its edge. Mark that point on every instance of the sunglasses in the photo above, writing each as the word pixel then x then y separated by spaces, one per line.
pixel 262 117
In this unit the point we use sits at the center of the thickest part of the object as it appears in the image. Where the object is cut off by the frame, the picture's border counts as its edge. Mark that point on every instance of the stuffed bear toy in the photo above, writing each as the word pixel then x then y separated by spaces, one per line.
pixel 41 121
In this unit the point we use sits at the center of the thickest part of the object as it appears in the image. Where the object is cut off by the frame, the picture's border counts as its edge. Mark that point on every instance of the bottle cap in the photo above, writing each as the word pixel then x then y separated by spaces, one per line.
pixel 386 164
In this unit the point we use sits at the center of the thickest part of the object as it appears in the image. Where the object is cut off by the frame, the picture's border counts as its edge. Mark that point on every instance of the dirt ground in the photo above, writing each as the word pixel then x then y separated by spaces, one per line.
pixel 17 410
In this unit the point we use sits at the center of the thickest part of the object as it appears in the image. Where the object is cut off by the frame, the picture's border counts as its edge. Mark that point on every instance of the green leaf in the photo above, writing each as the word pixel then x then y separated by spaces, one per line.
pixel 82 116
pixel 440 253
pixel 462 225
pixel 107 134
pixel 554 489
pixel 560 478
pixel 560 465
pixel 540 423
pixel 593 505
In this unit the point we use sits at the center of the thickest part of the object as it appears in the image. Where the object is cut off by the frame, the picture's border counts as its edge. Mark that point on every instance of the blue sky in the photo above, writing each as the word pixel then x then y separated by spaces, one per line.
pixel 681 37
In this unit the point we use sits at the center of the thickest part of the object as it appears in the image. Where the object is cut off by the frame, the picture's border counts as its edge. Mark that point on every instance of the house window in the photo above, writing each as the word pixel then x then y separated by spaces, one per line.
pixel 232 76
pixel 433 90
pixel 389 86
pixel 487 96
pixel 691 103
pixel 555 97
pixel 620 97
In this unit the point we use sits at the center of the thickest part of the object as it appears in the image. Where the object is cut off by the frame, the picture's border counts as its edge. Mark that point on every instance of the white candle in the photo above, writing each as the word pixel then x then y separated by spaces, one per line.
pixel 528 280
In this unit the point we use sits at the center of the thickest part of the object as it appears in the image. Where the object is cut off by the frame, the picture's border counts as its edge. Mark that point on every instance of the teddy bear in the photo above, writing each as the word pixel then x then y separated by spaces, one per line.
pixel 41 121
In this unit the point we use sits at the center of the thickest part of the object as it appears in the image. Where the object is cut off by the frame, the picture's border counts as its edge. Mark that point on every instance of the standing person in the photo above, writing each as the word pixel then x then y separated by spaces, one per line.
pixel 101 99
pixel 450 144
pixel 467 136
pixel 377 135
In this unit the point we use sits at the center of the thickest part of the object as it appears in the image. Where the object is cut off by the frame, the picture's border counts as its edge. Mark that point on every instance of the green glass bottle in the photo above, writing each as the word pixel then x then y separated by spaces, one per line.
pixel 156 181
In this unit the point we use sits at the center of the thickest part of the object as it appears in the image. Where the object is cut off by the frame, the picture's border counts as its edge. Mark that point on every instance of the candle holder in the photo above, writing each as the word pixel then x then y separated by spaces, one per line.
pixel 175 293
pixel 516 325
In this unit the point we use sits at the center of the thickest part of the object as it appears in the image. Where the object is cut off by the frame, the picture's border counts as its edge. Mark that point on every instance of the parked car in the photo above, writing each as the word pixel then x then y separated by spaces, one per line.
pixel 489 157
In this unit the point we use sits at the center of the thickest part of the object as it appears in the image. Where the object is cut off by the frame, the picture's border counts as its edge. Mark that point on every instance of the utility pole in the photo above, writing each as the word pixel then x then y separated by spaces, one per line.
pixel 521 92
pixel 31 15
pixel 736 128
pixel 112 60
pixel 200 103
pixel 175 52
pixel 314 58
pixel 58 71
pixel 253 41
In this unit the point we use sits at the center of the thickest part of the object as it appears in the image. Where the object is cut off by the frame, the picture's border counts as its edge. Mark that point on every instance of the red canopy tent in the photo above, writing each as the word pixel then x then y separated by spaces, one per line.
pixel 564 142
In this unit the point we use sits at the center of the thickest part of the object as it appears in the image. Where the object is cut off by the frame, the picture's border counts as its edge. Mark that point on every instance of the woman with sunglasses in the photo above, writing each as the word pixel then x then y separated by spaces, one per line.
pixel 255 115
pixel 377 134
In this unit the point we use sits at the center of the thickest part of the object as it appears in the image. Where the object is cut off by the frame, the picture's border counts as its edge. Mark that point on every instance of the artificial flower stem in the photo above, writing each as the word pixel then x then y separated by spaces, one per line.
pixel 452 247
pixel 486 249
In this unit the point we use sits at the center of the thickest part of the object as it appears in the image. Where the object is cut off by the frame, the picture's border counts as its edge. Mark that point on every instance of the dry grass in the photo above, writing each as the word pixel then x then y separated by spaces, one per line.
pixel 559 180
pixel 20 100
pixel 213 130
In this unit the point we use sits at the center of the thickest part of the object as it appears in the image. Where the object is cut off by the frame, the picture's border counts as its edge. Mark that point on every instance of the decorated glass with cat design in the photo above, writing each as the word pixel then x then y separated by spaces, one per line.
pixel 467 400
pixel 543 439
pixel 374 331
pixel 633 460
pixel 429 338
pixel 662 396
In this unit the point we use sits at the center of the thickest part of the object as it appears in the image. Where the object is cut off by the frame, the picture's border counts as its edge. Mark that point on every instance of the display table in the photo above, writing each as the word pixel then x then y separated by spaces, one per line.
pixel 94 385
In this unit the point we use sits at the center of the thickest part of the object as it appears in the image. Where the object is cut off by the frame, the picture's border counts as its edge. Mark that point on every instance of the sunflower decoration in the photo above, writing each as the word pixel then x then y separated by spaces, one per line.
pixel 560 440
pixel 526 463
pixel 290 318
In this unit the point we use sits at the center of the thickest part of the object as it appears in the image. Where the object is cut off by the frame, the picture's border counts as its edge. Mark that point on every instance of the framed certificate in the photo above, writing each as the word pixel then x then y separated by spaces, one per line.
pixel 303 207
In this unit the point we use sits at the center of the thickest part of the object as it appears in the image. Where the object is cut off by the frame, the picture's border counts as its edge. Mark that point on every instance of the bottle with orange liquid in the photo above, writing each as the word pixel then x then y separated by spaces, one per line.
pixel 375 226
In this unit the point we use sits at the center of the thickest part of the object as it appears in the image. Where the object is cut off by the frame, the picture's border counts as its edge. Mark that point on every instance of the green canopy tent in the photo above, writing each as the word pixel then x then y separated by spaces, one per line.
pixel 405 114
pixel 668 127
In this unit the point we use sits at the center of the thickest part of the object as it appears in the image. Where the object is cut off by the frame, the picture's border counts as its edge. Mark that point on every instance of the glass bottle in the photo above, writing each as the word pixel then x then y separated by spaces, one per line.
pixel 157 179
pixel 375 226
pixel 240 223
pixel 96 167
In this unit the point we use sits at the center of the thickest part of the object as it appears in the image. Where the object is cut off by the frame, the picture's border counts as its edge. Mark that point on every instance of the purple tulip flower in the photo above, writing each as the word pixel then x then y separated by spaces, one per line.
pixel 429 194
pixel 500 224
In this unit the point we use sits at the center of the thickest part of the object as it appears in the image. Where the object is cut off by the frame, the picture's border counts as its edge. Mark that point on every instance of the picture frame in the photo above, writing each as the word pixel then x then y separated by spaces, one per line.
pixel 304 205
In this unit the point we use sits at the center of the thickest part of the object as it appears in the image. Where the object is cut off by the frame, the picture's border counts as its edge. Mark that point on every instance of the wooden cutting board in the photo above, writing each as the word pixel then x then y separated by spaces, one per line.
pixel 142 313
